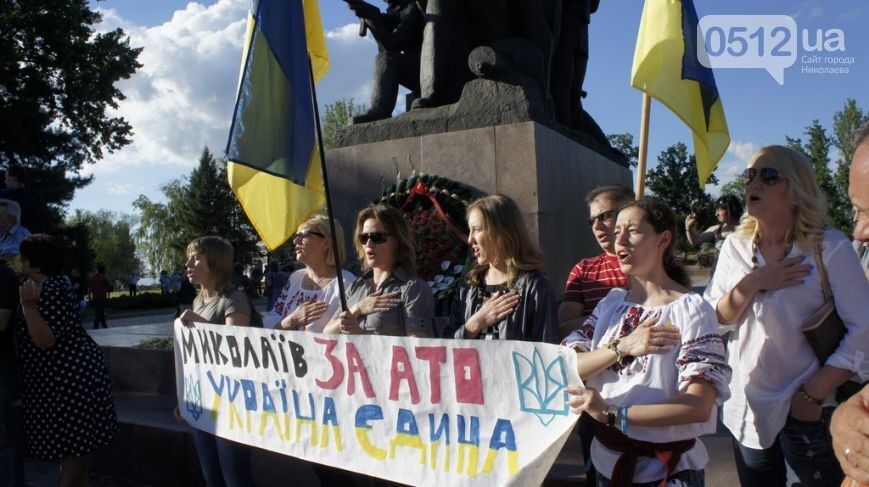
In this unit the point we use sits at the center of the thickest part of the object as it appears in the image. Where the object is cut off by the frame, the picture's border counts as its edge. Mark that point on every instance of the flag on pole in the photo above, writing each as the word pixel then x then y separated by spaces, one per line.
pixel 667 69
pixel 272 157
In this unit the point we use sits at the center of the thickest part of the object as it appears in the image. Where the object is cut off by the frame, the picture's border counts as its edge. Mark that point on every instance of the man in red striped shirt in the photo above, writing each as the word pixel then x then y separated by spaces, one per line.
pixel 592 278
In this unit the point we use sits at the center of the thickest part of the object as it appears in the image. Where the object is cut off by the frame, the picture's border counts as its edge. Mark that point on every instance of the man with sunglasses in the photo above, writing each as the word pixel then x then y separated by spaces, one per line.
pixel 591 279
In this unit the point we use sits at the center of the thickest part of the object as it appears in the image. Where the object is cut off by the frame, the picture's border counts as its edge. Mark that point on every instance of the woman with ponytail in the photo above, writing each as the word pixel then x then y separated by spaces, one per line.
pixel 652 362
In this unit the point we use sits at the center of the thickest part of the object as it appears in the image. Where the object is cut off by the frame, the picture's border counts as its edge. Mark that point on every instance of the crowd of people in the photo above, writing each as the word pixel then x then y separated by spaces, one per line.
pixel 657 359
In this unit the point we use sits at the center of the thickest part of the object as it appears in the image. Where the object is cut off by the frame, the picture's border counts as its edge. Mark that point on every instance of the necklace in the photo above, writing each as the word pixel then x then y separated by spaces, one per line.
pixel 755 244
pixel 318 283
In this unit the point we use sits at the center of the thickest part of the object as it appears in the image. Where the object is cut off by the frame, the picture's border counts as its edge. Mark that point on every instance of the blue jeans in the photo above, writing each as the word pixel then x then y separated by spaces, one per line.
pixel 11 462
pixel 801 455
pixel 685 478
pixel 225 463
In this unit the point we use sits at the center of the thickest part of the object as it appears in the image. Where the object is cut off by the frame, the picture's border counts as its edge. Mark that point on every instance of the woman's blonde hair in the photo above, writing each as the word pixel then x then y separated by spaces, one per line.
pixel 218 254
pixel 810 206
pixel 320 224
pixel 506 227
pixel 395 225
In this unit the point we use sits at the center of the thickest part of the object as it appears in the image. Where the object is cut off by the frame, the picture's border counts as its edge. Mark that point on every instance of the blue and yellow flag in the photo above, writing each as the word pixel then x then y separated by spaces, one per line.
pixel 272 157
pixel 667 69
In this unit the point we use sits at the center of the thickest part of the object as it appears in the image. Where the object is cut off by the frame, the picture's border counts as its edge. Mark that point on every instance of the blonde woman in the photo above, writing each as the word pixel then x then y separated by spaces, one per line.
pixel 506 296
pixel 765 287
pixel 209 267
pixel 388 298
pixel 310 297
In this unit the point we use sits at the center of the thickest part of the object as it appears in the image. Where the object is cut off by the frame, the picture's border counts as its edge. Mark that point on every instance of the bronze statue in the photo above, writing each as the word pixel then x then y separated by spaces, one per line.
pixel 398 33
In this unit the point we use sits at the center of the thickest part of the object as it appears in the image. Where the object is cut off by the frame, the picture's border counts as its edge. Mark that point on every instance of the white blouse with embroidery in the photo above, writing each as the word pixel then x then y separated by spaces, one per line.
pixel 294 295
pixel 656 378
pixel 767 350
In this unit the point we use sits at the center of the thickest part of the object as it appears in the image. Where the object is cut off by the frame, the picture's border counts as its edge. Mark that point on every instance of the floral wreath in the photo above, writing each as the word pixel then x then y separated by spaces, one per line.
pixel 435 208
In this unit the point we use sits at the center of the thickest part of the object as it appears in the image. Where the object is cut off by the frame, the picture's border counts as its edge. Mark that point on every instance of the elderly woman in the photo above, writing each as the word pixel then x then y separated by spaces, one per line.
pixel 310 296
pixel 388 298
pixel 209 267
pixel 506 296
pixel 728 210
pixel 765 287
pixel 652 361
pixel 68 407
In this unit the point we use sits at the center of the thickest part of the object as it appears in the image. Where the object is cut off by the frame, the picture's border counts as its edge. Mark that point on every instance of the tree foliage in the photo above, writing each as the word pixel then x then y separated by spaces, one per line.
pixel 337 115
pixel 624 143
pixel 736 187
pixel 111 240
pixel 200 204
pixel 57 82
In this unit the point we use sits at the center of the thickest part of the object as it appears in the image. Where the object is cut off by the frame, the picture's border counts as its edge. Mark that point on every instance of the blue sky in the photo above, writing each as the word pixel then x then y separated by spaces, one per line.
pixel 182 99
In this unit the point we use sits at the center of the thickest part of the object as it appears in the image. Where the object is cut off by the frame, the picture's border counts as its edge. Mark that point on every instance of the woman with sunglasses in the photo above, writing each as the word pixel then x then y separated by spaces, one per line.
pixel 506 295
pixel 310 296
pixel 388 298
pixel 765 287
pixel 652 362
pixel 728 209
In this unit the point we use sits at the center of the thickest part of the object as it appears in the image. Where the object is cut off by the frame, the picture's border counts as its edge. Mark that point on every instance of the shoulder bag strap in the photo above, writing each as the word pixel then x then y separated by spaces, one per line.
pixel 825 282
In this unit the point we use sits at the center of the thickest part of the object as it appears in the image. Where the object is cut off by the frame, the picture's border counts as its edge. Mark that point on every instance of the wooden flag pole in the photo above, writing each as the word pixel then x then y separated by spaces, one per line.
pixel 339 276
pixel 644 146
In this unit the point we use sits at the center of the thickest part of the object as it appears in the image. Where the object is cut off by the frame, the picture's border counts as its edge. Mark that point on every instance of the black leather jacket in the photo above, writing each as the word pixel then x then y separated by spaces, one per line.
pixel 535 318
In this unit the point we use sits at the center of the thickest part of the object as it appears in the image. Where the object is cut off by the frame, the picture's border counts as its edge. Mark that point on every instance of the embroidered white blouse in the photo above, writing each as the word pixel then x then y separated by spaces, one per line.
pixel 294 294
pixel 769 355
pixel 658 377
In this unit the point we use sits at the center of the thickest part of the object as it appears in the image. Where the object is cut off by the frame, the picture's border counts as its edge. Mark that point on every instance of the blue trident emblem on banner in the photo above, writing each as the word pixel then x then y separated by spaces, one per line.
pixel 541 386
pixel 193 397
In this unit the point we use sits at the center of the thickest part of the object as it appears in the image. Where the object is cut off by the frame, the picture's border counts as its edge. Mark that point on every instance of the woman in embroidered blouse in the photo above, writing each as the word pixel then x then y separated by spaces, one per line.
pixel 310 297
pixel 765 287
pixel 652 362
pixel 388 298
pixel 506 295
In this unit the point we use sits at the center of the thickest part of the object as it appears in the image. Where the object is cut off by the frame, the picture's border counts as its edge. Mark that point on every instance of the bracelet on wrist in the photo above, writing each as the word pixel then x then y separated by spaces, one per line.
pixel 614 346
pixel 805 395
pixel 611 413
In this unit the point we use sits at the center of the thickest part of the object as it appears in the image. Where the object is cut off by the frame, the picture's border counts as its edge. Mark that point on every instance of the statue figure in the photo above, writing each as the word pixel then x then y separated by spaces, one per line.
pixel 398 33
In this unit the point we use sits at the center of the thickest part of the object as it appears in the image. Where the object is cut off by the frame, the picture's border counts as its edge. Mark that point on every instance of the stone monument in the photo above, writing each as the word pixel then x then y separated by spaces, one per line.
pixel 497 106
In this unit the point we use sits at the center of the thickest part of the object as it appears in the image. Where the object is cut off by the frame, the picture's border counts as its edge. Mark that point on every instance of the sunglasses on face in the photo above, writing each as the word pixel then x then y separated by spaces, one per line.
pixel 375 237
pixel 602 217
pixel 306 233
pixel 768 175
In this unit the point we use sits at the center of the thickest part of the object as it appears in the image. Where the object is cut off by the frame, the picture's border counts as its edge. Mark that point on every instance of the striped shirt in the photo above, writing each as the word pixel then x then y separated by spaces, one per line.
pixel 591 279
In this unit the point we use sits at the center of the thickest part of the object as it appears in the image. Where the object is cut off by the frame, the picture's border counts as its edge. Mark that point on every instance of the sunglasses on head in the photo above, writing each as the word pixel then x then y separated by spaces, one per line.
pixel 375 237
pixel 602 217
pixel 768 175
pixel 306 233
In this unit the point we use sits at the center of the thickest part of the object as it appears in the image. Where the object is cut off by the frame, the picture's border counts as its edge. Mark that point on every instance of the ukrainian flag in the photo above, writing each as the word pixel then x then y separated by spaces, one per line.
pixel 272 157
pixel 667 69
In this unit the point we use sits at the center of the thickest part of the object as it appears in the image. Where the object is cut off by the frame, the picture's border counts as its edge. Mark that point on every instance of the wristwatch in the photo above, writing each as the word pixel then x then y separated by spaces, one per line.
pixel 611 413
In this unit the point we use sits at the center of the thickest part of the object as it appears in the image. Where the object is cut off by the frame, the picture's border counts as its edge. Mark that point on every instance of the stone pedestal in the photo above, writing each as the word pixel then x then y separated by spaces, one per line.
pixel 546 173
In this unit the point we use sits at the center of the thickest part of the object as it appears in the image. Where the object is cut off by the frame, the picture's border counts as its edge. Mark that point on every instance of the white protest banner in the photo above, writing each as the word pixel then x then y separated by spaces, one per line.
pixel 416 411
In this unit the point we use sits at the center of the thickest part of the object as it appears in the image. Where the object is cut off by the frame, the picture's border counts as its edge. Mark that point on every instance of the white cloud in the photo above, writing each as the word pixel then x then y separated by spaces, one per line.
pixel 730 167
pixel 182 97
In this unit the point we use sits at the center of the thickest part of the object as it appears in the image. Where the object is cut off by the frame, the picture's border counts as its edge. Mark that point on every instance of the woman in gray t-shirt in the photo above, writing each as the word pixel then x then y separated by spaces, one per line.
pixel 209 267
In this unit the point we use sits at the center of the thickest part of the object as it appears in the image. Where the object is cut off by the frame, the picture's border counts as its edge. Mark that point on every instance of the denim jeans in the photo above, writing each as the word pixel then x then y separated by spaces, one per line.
pixel 11 448
pixel 100 314
pixel 685 478
pixel 225 463
pixel 801 455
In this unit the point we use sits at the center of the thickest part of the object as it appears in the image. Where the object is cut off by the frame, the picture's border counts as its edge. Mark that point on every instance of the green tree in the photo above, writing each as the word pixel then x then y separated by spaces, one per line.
pixel 57 82
pixel 158 233
pixel 736 187
pixel 111 240
pixel 817 150
pixel 624 143
pixel 845 124
pixel 674 181
pixel 208 207
pixel 337 115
